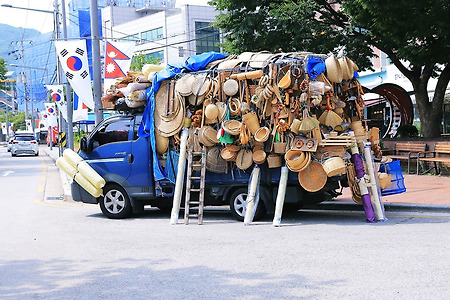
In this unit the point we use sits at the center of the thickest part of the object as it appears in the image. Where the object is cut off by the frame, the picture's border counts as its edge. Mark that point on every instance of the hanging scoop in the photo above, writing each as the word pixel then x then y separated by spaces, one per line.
pixel 285 82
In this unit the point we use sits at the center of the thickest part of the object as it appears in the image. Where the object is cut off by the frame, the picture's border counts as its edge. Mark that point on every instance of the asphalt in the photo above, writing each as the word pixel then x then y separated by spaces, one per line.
pixel 423 192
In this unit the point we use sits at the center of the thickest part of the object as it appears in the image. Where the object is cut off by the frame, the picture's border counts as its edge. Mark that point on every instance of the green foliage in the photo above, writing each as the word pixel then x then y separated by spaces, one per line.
pixel 3 71
pixel 284 26
pixel 17 118
pixel 407 130
pixel 140 59
pixel 416 31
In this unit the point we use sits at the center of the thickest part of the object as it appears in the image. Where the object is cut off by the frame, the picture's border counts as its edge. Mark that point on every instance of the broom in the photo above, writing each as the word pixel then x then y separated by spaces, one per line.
pixel 308 123
pixel 329 117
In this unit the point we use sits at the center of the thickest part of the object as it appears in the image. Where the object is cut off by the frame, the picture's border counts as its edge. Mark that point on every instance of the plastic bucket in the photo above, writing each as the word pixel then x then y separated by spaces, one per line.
pixel 397 181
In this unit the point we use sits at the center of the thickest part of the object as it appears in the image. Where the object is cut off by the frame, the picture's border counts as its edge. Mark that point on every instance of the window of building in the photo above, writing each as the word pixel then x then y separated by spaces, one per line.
pixel 206 38
pixel 131 38
pixel 151 35
pixel 156 55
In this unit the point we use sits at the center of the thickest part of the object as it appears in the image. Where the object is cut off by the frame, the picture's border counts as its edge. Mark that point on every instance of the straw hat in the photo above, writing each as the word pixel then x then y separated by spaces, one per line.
pixel 184 85
pixel 262 134
pixel 208 136
pixel 230 87
pixel 232 127
pixel 260 59
pixel 259 157
pixel 168 125
pixel 313 178
pixel 201 84
pixel 246 56
pixel 346 67
pixel 244 159
pixel 162 105
pixel 162 143
pixel 334 71
pixel 228 64
pixel 195 99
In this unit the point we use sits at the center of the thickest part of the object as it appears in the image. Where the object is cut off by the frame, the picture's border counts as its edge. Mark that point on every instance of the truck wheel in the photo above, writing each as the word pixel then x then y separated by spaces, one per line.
pixel 115 204
pixel 238 204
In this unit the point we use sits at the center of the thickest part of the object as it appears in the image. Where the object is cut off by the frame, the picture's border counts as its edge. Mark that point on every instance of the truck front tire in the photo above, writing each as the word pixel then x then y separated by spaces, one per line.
pixel 115 203
pixel 238 204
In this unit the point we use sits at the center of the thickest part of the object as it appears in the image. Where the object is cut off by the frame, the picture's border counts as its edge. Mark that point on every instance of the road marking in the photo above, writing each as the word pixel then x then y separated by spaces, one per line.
pixel 47 204
pixel 43 177
pixel 6 173
pixel 40 188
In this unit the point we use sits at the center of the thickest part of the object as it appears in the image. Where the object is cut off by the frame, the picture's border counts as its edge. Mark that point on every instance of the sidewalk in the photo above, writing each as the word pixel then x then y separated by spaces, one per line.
pixel 422 191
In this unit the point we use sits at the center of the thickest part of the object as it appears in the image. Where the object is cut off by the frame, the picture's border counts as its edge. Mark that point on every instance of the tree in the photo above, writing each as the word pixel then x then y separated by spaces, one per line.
pixel 414 34
pixel 3 71
pixel 140 59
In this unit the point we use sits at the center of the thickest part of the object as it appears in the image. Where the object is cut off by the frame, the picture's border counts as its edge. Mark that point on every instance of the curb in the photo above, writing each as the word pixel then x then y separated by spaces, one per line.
pixel 65 180
pixel 389 207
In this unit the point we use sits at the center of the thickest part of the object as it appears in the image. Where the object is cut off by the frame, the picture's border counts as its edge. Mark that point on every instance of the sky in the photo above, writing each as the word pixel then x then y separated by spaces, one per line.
pixel 40 21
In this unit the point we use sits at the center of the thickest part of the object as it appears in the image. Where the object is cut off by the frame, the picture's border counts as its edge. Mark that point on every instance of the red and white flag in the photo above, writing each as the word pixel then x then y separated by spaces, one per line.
pixel 57 94
pixel 51 114
pixel 44 118
pixel 80 110
pixel 28 125
pixel 117 61
pixel 73 58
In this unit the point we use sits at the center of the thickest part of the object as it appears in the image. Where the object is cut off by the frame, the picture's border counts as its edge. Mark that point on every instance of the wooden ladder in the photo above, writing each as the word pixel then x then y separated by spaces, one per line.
pixel 195 184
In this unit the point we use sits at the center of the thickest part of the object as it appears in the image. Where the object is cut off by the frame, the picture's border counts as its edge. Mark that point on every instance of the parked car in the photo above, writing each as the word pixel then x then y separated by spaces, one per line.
pixel 24 144
pixel 10 142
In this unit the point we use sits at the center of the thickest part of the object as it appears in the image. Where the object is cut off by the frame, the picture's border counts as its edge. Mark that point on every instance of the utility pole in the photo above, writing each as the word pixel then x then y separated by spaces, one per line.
pixel 68 88
pixel 96 66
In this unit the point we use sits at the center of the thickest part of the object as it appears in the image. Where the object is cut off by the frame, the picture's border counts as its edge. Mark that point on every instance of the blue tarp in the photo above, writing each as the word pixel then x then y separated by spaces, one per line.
pixel 147 127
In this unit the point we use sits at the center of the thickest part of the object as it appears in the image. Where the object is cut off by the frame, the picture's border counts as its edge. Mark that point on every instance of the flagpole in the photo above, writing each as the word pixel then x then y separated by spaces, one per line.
pixel 96 67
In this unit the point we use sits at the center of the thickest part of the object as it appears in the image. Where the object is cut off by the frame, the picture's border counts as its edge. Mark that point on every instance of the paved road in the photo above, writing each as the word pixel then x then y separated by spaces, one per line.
pixel 51 249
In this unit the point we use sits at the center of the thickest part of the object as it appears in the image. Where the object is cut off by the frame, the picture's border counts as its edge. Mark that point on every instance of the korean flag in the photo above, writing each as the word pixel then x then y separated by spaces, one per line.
pixel 73 58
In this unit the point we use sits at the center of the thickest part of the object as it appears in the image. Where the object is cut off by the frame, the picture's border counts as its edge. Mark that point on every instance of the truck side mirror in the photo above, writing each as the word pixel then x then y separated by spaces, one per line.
pixel 83 144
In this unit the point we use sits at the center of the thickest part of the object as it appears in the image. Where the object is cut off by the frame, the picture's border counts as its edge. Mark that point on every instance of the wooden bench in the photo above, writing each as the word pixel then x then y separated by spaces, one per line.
pixel 408 151
pixel 440 154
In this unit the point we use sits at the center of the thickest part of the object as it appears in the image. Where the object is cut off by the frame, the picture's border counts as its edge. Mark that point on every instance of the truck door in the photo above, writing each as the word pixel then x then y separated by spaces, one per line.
pixel 110 148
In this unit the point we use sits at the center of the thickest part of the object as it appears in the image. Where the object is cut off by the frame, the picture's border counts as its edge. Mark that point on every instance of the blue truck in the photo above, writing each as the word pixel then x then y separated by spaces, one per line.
pixel 124 160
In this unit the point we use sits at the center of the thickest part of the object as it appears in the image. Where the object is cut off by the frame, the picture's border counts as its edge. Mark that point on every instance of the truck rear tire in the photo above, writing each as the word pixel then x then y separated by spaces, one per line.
pixel 115 203
pixel 238 204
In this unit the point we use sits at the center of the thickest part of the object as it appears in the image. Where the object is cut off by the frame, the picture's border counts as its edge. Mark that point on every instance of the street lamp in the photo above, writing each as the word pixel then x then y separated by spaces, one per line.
pixel 55 13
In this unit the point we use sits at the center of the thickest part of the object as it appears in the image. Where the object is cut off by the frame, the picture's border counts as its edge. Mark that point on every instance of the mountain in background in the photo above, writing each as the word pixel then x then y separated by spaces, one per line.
pixel 12 34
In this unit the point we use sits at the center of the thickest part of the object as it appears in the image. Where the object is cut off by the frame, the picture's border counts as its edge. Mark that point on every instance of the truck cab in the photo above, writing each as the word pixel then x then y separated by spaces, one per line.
pixel 124 160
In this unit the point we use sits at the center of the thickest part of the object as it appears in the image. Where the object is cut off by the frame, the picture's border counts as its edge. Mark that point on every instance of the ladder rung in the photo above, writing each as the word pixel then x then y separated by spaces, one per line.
pixel 197 153
pixel 193 215
pixel 196 190
pixel 196 165
pixel 194 202
pixel 195 177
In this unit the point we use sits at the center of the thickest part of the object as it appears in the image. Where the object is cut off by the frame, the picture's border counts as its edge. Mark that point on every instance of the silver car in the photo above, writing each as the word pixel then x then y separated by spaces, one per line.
pixel 24 144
